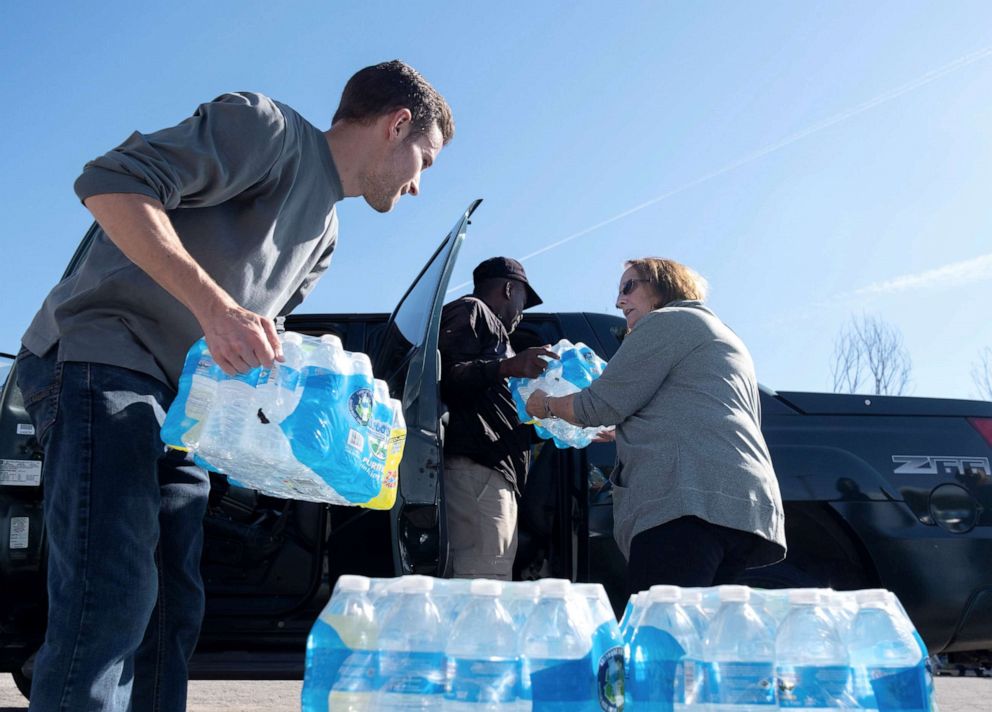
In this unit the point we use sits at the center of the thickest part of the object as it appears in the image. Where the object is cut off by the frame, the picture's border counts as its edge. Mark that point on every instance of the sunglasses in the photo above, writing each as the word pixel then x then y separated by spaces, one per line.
pixel 629 286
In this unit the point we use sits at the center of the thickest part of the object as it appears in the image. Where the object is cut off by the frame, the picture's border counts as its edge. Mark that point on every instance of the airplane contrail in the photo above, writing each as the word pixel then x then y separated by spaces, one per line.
pixel 955 274
pixel 977 269
pixel 883 98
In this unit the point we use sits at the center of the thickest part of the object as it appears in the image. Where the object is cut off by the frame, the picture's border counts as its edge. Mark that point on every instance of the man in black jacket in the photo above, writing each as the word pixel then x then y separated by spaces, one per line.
pixel 486 448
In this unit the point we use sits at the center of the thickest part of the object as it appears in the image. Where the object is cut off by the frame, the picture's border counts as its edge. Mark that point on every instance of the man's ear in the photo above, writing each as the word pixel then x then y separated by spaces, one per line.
pixel 398 123
pixel 508 290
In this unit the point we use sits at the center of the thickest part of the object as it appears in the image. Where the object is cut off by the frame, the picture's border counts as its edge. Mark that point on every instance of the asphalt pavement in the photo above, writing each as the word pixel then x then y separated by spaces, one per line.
pixel 954 694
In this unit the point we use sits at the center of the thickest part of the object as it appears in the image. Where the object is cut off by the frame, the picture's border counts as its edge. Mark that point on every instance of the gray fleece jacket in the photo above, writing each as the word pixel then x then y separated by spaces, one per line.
pixel 682 392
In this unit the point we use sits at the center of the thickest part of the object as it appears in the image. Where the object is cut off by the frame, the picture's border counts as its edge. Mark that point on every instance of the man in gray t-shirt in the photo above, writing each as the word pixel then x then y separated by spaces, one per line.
pixel 209 228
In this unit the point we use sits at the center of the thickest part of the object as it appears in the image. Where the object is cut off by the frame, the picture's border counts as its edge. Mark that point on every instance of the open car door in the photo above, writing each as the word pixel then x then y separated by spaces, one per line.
pixel 407 358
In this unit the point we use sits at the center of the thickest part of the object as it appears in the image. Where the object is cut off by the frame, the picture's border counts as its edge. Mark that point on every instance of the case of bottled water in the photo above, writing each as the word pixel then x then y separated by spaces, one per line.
pixel 454 645
pixel 316 426
pixel 577 367
pixel 806 649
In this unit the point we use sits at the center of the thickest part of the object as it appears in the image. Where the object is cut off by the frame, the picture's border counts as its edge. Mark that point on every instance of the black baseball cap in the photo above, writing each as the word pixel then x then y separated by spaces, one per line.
pixel 506 268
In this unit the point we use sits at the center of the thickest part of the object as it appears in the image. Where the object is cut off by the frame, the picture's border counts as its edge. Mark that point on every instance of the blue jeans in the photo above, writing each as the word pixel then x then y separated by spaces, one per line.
pixel 124 523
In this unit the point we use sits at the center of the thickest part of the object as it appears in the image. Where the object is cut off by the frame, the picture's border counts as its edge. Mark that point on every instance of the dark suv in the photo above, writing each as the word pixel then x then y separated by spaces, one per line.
pixel 892 492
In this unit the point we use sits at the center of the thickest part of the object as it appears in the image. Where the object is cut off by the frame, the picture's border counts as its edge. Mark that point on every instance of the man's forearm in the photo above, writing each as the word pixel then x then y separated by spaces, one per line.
pixel 238 339
pixel 140 227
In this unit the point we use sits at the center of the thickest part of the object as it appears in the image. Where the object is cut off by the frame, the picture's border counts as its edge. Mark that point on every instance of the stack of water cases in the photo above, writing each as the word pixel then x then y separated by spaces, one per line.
pixel 316 426
pixel 419 643
pixel 736 649
pixel 575 369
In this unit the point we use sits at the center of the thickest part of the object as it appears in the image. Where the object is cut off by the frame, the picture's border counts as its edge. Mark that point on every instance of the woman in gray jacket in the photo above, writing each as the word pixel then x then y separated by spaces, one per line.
pixel 695 498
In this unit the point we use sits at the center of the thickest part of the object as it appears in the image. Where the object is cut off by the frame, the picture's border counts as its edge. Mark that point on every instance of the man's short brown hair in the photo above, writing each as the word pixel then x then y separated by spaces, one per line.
pixel 670 280
pixel 388 86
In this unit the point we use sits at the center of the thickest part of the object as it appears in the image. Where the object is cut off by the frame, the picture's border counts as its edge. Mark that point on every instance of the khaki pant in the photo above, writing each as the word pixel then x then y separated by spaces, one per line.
pixel 481 508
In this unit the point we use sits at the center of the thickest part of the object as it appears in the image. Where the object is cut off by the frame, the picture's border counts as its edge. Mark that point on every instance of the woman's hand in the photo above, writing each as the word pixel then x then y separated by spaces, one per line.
pixel 535 404
pixel 607 435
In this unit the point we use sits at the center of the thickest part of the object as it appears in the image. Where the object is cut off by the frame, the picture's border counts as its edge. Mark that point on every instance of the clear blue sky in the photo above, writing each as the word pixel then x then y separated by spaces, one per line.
pixel 813 160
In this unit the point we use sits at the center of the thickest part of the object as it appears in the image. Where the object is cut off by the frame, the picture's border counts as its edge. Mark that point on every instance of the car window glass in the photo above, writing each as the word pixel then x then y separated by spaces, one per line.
pixel 406 332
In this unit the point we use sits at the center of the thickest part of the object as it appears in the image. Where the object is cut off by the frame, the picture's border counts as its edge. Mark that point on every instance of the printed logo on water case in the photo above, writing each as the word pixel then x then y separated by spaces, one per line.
pixel 609 679
pixel 360 405
pixel 378 445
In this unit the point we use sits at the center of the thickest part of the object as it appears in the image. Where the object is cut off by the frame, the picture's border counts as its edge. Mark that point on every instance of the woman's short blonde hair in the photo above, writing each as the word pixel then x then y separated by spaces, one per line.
pixel 670 280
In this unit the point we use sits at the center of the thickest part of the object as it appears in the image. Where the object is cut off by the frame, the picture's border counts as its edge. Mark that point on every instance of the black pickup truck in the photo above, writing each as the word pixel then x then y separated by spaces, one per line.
pixel 879 491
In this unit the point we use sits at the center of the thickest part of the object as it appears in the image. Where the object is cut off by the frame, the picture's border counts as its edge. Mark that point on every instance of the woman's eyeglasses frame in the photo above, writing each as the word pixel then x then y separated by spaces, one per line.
pixel 627 287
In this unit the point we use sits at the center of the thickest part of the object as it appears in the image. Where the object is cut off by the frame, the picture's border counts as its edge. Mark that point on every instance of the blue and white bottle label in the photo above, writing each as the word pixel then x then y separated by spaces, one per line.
pixel 562 681
pixel 740 683
pixel 403 673
pixel 902 689
pixel 489 681
pixel 815 687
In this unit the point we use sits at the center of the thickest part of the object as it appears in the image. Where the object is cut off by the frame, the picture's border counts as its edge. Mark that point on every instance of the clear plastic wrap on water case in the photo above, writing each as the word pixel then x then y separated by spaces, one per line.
pixel 317 426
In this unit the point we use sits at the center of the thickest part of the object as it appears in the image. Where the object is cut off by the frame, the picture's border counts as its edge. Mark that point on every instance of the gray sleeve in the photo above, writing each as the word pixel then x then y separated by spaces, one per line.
pixel 638 368
pixel 227 146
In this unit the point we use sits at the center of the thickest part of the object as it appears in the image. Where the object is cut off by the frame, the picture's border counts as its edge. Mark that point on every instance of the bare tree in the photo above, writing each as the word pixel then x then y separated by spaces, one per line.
pixel 869 356
pixel 981 373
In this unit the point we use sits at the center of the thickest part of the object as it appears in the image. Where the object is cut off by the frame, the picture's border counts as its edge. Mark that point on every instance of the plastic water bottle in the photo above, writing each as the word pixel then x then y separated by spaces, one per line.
pixel 411 651
pixel 195 398
pixel 265 443
pixel 772 606
pixel 520 599
pixel 574 367
pixel 811 663
pixel 739 657
pixel 394 454
pixel 451 596
pixel 341 660
pixel 483 656
pixel 896 606
pixel 279 395
pixel 691 601
pixel 889 666
pixel 328 431
pixel 607 645
pixel 557 652
pixel 384 594
pixel 221 442
pixel 665 653
pixel 627 612
pixel 629 621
